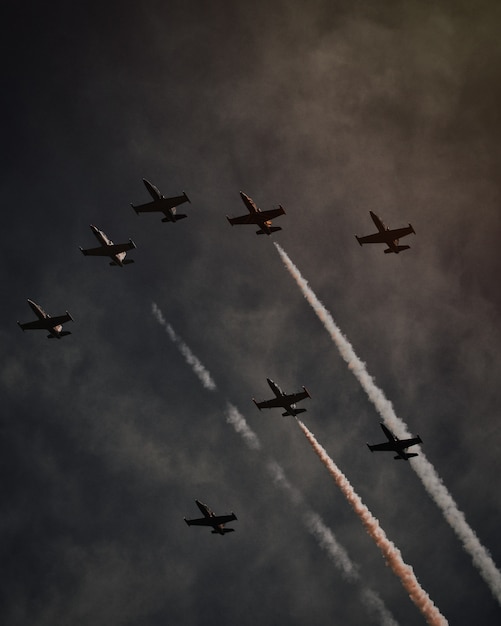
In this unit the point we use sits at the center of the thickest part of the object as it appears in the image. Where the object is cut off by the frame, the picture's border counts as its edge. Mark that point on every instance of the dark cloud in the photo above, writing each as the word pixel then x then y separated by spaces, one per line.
pixel 330 109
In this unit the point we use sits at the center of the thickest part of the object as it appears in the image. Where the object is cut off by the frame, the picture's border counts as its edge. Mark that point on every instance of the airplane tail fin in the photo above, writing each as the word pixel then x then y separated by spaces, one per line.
pixel 179 216
pixel 224 531
pixel 127 261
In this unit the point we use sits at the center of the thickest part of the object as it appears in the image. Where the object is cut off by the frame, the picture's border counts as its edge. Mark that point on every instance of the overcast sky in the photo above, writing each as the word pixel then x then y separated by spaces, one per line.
pixel 332 109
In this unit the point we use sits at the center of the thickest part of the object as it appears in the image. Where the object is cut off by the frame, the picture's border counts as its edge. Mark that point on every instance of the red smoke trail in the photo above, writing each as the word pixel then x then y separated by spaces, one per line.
pixel 390 552
pixel 423 468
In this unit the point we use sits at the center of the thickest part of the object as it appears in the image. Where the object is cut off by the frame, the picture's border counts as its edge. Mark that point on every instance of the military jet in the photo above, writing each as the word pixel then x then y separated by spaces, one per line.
pixel 387 236
pixel 160 203
pixel 394 444
pixel 45 322
pixel 210 519
pixel 284 400
pixel 256 216
pixel 116 252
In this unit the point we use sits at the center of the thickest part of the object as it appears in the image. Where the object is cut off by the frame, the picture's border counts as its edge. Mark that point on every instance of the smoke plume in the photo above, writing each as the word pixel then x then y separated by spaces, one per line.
pixel 197 367
pixel 390 552
pixel 424 469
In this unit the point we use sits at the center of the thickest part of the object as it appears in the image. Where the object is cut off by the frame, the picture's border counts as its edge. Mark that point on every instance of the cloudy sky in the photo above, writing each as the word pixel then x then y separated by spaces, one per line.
pixel 332 109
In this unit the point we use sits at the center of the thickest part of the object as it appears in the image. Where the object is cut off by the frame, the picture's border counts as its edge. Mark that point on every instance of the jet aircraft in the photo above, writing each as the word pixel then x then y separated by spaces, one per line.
pixel 116 252
pixel 160 203
pixel 387 236
pixel 210 519
pixel 394 444
pixel 284 400
pixel 45 322
pixel 256 216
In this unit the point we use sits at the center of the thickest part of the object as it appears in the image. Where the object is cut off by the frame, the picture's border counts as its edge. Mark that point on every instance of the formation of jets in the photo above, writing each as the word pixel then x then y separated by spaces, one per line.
pixel 263 219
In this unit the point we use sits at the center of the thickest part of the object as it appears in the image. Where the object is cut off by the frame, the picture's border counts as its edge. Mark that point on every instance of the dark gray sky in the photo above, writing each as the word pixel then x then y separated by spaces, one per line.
pixel 331 109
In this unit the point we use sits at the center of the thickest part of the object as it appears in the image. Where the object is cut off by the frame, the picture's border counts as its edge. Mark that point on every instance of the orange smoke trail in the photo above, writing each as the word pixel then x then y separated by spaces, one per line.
pixel 390 552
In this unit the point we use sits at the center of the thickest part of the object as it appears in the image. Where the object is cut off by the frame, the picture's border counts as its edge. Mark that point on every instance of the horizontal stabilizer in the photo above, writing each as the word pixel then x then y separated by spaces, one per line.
pixel 61 334
pixel 179 216
pixel 223 531
pixel 397 250
pixel 128 261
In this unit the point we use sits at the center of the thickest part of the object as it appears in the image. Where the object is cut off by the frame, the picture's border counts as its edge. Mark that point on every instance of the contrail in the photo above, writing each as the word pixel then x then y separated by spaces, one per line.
pixel 312 520
pixel 390 552
pixel 424 469
pixel 197 367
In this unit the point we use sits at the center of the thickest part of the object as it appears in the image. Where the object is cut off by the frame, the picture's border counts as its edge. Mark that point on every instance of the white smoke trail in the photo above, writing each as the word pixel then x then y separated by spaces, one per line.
pixel 424 469
pixel 390 552
pixel 237 420
pixel 197 367
pixel 312 520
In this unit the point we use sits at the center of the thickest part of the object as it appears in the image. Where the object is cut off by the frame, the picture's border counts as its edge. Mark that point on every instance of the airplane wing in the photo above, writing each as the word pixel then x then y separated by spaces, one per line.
pixel 296 397
pixel 164 204
pixel 211 521
pixel 248 218
pixel 397 233
pixel 201 521
pixel 271 214
pixel 109 250
pixel 407 443
pixel 37 324
pixel 375 238
pixel 387 446
pixel 56 321
pixel 224 519
pixel 270 404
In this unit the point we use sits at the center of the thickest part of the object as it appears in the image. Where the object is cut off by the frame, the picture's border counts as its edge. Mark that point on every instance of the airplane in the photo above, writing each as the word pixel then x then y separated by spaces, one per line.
pixel 284 400
pixel 160 203
pixel 53 324
pixel 256 216
pixel 387 236
pixel 396 445
pixel 210 519
pixel 116 252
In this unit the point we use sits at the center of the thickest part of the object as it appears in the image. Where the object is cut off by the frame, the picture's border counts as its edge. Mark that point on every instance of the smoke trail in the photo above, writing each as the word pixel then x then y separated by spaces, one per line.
pixel 191 359
pixel 424 469
pixel 313 521
pixel 390 552
pixel 237 420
